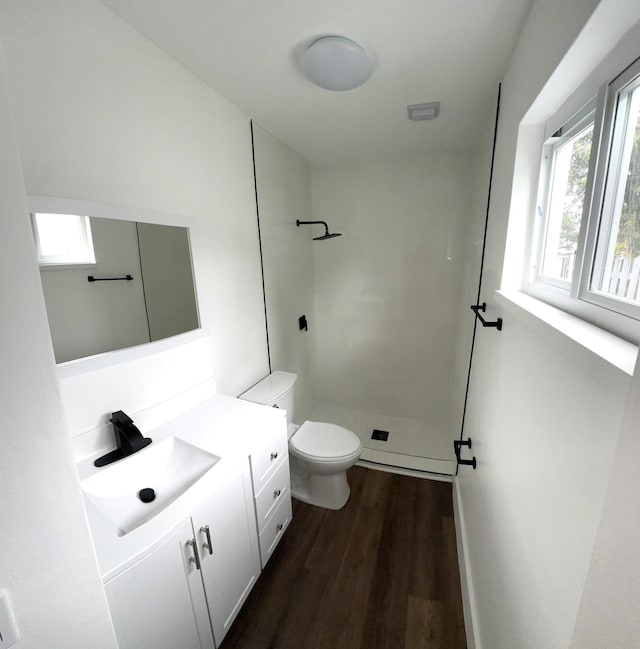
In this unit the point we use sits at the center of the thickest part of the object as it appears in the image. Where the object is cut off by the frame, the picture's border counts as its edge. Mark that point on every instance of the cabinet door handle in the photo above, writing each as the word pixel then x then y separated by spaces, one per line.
pixel 208 545
pixel 279 526
pixel 276 493
pixel 274 455
pixel 196 557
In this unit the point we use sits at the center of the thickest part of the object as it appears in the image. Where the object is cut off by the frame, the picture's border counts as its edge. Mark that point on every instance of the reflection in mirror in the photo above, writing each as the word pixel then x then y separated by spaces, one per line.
pixel 141 289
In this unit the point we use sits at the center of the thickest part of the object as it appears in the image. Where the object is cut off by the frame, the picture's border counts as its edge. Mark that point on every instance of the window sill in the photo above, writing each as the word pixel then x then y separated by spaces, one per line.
pixel 608 358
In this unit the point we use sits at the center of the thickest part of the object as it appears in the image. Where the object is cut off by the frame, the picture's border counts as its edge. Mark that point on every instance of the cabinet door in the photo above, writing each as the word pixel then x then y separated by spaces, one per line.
pixel 231 563
pixel 158 603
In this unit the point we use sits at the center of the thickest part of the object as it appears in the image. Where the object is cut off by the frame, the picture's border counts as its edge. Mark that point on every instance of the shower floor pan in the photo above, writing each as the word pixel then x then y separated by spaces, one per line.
pixel 409 445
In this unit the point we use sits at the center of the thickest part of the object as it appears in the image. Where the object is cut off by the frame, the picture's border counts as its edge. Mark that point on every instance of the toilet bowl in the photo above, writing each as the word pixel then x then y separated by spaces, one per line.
pixel 319 453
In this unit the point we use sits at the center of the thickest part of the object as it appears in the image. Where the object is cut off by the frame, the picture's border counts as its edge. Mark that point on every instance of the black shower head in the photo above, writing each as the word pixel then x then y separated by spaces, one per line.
pixel 326 234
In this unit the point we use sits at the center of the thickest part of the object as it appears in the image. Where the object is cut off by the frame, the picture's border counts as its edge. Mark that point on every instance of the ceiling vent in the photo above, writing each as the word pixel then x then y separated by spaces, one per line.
pixel 421 112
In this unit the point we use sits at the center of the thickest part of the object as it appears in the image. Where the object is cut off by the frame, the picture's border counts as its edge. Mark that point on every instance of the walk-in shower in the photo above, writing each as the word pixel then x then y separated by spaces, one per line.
pixel 386 350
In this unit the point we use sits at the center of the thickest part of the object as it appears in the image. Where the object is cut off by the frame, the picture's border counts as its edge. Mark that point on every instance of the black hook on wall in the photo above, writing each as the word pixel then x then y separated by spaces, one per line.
pixel 457 444
pixel 476 308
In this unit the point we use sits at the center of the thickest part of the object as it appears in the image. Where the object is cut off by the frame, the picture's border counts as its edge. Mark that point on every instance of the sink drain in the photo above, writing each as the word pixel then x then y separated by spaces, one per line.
pixel 147 495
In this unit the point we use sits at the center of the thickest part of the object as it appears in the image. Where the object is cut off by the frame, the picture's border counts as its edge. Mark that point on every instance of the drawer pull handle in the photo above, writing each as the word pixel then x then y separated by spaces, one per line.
pixel 196 557
pixel 274 455
pixel 208 545
pixel 279 526
pixel 277 492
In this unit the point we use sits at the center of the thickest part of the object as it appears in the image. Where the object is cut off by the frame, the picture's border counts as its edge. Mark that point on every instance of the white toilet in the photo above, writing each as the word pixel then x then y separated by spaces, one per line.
pixel 319 453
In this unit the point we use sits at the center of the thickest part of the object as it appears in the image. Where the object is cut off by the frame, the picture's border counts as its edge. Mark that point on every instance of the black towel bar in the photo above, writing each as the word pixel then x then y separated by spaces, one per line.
pixel 91 278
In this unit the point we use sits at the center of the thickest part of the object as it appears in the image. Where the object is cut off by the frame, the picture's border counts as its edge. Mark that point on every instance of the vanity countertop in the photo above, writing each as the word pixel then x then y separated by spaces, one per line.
pixel 224 426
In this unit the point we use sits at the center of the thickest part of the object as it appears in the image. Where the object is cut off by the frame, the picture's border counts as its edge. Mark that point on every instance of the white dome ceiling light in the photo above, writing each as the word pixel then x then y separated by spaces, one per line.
pixel 336 63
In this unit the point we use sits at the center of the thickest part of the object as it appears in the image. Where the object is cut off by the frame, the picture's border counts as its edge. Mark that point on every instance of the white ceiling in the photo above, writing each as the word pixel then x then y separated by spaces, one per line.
pixel 452 51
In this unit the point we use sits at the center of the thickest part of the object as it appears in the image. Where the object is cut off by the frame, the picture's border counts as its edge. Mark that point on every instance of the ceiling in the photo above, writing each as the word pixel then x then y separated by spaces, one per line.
pixel 452 51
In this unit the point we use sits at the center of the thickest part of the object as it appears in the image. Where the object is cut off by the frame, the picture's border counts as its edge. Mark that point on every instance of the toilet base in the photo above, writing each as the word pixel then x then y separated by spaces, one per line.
pixel 330 491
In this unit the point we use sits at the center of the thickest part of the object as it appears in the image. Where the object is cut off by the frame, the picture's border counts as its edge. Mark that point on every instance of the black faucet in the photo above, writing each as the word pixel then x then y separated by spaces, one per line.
pixel 129 439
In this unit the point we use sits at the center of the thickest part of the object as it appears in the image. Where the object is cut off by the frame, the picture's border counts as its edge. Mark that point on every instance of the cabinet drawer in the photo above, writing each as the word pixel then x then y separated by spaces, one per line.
pixel 265 460
pixel 274 529
pixel 273 493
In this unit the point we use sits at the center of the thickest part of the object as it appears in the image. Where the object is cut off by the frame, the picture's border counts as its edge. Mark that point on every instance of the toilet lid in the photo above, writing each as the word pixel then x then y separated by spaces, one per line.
pixel 322 440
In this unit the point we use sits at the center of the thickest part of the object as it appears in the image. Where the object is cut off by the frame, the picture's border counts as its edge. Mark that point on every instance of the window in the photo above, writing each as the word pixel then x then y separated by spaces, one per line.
pixel 63 239
pixel 566 157
pixel 616 269
pixel 586 248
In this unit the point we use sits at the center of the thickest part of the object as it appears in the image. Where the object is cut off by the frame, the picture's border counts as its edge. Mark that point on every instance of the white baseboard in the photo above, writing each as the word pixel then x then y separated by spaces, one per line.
pixel 466 584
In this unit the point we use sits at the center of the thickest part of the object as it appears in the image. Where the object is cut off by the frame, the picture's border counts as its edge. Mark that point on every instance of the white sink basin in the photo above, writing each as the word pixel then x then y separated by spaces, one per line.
pixel 169 468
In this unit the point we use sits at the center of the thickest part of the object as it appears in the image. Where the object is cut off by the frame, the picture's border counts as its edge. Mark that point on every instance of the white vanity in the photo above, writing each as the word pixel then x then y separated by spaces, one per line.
pixel 178 569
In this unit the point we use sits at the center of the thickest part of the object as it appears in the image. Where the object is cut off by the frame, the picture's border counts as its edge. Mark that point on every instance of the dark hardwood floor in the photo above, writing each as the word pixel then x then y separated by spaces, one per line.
pixel 381 573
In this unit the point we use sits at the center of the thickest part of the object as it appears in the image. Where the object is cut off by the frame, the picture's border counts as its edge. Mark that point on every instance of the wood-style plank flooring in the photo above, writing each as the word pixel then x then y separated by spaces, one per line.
pixel 381 573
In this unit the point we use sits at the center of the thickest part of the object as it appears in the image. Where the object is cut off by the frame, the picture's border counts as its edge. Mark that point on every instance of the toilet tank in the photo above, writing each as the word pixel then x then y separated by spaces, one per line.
pixel 275 390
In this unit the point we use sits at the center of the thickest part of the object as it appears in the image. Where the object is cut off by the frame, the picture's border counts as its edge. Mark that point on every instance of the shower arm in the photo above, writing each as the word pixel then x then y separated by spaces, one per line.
pixel 326 227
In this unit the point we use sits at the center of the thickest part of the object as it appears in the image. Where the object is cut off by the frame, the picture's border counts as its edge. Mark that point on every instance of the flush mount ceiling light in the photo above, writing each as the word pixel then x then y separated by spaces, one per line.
pixel 421 112
pixel 336 63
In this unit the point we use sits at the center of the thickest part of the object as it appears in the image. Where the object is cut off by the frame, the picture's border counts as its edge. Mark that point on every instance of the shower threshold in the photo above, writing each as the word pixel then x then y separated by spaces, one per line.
pixel 401 461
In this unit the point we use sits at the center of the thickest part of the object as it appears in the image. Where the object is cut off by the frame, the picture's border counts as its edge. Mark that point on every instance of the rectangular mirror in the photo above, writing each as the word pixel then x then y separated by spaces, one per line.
pixel 111 284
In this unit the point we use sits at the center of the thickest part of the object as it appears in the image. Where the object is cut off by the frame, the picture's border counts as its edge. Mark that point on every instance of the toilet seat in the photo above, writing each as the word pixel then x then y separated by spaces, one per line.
pixel 323 442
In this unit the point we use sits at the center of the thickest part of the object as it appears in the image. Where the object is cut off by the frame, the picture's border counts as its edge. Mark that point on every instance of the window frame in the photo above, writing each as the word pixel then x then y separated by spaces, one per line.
pixel 572 127
pixel 577 297
pixel 604 194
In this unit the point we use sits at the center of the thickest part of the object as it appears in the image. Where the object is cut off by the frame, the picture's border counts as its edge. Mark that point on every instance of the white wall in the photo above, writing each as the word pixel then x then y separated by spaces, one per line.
pixel 284 196
pixel 609 613
pixel 388 291
pixel 47 564
pixel 103 115
pixel 543 413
